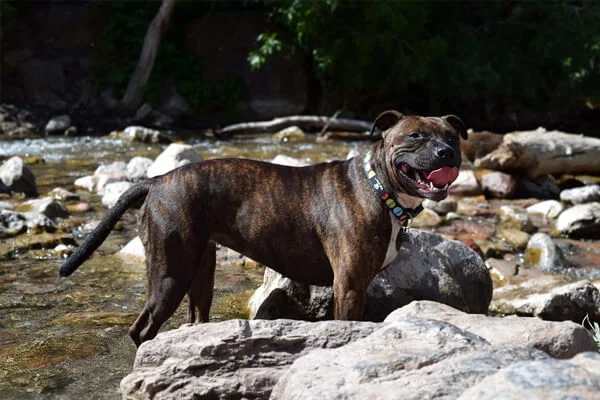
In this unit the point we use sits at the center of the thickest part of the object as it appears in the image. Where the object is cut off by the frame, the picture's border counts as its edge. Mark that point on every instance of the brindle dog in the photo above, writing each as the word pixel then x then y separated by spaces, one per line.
pixel 325 224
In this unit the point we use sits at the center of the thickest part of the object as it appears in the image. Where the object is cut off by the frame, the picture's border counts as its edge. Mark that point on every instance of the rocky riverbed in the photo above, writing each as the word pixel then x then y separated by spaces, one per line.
pixel 535 229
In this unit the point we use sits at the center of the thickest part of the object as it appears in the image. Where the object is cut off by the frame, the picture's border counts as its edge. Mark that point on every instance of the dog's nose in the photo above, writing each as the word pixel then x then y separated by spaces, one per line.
pixel 444 153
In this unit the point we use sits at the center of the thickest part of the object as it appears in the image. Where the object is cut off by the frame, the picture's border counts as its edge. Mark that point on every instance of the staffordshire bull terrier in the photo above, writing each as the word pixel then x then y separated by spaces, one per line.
pixel 334 223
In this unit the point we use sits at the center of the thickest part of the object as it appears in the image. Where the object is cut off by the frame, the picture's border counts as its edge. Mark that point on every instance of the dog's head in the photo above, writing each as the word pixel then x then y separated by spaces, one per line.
pixel 421 154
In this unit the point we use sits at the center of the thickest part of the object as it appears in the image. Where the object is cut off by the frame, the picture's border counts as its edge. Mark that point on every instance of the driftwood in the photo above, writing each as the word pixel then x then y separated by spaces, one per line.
pixel 537 153
pixel 308 123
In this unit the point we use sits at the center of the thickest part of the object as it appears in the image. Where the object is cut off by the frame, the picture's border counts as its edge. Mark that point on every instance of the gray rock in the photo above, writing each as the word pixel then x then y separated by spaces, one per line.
pixel 146 135
pixel 174 156
pixel 578 378
pixel 580 221
pixel 137 168
pixel 11 223
pixel 134 251
pixel 410 355
pixel 115 170
pixel 86 182
pixel 539 188
pixel 548 208
pixel 557 339
pixel 442 207
pixel 63 194
pixel 446 271
pixel 580 195
pixel 58 125
pixel 229 359
pixel 465 185
pixel 498 185
pixel 113 191
pixel 17 176
pixel 542 253
pixel 408 358
pixel 549 298
pixel 47 206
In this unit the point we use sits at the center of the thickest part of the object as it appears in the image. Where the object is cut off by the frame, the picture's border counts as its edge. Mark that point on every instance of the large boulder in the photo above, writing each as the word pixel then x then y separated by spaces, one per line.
pixel 428 267
pixel 410 356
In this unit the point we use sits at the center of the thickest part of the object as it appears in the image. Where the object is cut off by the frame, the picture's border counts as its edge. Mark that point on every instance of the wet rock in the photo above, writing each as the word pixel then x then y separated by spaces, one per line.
pixel 498 184
pixel 14 246
pixel 541 152
pixel 515 217
pixel 557 339
pixel 11 223
pixel 104 180
pixel 18 177
pixel 116 170
pixel 113 191
pixel 466 184
pixel 542 253
pixel 581 220
pixel 79 208
pixel 137 168
pixel 409 358
pixel 441 207
pixel 282 159
pixel 549 298
pixel 580 195
pixel 426 218
pixel 134 250
pixel 515 238
pixel 494 248
pixel 548 208
pixel 543 379
pixel 58 125
pixel 167 365
pixel 48 206
pixel 446 271
pixel 86 182
pixel 290 134
pixel 141 134
pixel 281 297
pixel 174 156
pixel 539 188
pixel 63 194
pixel 463 229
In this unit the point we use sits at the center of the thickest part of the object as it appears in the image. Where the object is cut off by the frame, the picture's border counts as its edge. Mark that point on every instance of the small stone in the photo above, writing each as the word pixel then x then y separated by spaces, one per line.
pixel 542 253
pixel 174 156
pixel 465 185
pixel 58 125
pixel 580 195
pixel 548 208
pixel 498 184
pixel 290 134
pixel 515 238
pixel 442 207
pixel 581 220
pixel 427 217
pixel 113 191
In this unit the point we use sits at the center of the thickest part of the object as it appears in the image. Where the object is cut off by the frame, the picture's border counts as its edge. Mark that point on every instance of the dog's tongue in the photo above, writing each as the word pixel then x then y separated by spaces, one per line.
pixel 442 176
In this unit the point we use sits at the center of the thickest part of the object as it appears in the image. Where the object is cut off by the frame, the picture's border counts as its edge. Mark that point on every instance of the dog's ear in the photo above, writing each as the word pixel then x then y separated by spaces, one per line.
pixel 457 124
pixel 385 121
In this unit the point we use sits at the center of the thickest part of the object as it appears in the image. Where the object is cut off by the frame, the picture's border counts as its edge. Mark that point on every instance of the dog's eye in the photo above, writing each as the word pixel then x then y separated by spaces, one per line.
pixel 416 136
pixel 451 138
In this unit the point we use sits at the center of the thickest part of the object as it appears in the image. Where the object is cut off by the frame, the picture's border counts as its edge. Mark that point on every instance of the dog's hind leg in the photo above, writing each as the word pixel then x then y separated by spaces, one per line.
pixel 172 262
pixel 200 294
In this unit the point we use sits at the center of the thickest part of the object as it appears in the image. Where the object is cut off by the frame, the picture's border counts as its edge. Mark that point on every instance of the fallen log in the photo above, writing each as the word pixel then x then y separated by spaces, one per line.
pixel 308 123
pixel 541 152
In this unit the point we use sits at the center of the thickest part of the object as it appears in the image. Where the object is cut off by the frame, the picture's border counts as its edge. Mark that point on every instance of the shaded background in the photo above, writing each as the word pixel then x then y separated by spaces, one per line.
pixel 500 65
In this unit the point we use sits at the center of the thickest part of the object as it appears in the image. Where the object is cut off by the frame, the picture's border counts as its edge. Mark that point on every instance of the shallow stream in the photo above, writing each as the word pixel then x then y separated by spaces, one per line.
pixel 67 338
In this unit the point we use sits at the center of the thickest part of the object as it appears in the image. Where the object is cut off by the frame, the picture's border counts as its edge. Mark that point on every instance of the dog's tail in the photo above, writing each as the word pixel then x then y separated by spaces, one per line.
pixel 137 192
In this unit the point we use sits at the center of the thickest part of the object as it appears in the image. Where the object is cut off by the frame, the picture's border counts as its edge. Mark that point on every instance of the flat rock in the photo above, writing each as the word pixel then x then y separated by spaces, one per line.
pixel 580 221
pixel 174 156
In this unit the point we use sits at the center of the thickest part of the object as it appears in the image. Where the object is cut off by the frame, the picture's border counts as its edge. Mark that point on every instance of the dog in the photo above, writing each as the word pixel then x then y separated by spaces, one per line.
pixel 334 223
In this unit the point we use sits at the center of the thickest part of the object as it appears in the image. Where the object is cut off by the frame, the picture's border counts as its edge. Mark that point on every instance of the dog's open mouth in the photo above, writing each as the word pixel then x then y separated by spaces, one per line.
pixel 430 181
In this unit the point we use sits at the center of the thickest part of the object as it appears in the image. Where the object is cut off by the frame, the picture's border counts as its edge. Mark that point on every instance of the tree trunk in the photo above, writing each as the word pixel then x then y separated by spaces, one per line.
pixel 133 95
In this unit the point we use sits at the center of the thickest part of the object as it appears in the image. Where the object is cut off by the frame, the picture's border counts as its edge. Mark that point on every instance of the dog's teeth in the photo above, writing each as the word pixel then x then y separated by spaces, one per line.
pixel 431 186
pixel 446 186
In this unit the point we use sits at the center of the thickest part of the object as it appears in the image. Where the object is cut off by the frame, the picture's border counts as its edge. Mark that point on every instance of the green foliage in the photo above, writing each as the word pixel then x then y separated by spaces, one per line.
pixel 595 329
pixel 426 54
pixel 7 15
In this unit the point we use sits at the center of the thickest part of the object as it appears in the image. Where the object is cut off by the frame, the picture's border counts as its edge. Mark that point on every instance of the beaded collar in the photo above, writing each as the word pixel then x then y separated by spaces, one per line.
pixel 402 214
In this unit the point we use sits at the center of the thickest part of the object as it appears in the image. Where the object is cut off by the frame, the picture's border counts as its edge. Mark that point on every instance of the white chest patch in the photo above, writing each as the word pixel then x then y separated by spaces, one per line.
pixel 392 251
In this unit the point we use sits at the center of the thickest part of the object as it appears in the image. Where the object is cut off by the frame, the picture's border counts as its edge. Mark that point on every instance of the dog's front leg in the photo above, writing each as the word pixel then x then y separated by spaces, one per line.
pixel 349 297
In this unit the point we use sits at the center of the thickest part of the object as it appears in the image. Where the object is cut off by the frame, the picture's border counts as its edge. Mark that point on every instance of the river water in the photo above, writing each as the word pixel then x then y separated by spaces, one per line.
pixel 66 338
